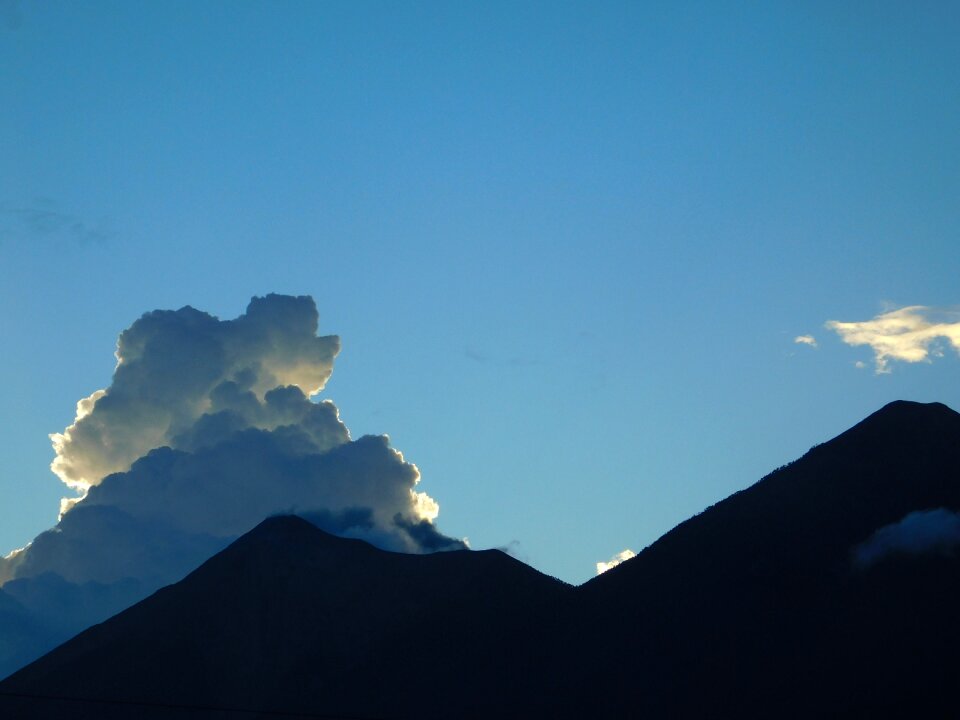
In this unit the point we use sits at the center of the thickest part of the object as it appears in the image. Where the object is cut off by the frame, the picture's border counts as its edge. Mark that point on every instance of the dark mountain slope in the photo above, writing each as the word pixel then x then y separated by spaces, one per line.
pixel 290 618
pixel 757 600
pixel 754 608
pixel 897 460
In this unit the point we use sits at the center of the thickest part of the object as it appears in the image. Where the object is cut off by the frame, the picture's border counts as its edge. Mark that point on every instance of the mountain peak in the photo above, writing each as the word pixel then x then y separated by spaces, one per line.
pixel 912 408
pixel 288 525
pixel 903 422
pixel 288 596
pixel 815 509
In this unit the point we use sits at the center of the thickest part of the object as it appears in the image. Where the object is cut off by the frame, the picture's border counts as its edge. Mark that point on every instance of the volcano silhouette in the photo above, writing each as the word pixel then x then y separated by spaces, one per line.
pixel 757 607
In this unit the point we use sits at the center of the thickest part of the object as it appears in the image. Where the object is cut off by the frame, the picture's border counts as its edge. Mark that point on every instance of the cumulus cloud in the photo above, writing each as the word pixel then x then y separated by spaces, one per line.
pixel 178 368
pixel 910 334
pixel 806 340
pixel 923 532
pixel 620 557
pixel 208 427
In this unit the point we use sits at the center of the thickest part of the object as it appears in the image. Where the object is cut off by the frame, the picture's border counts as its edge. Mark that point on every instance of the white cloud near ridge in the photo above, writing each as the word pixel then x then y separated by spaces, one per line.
pixel 915 333
pixel 620 557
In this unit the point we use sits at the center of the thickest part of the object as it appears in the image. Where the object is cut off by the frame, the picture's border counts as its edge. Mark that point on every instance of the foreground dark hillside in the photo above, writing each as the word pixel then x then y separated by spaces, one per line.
pixel 293 619
pixel 758 602
pixel 757 607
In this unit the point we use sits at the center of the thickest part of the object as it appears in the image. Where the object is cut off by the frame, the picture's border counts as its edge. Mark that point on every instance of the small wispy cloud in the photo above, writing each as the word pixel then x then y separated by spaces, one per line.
pixel 620 557
pixel 806 340
pixel 911 334
pixel 43 221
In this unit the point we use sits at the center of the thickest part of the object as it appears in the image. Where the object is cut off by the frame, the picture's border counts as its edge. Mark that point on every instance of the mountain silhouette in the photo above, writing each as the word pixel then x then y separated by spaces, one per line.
pixel 291 618
pixel 765 604
pixel 756 607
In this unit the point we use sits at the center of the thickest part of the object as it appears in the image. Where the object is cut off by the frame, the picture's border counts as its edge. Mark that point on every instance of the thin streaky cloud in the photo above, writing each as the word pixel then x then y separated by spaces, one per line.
pixel 916 333
pixel 806 340
pixel 43 222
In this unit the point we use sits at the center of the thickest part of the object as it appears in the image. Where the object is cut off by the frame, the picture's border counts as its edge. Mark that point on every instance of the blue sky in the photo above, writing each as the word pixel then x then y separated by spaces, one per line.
pixel 567 246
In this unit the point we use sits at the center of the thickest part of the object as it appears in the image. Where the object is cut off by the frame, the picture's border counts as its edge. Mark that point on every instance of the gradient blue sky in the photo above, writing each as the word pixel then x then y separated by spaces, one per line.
pixel 567 246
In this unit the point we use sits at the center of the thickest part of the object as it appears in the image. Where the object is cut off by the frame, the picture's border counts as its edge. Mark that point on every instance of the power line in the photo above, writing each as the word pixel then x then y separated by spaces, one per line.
pixel 184 707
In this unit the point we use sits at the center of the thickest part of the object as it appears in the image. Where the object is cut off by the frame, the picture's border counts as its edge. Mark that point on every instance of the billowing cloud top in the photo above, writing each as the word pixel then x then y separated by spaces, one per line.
pixel 176 367
pixel 910 334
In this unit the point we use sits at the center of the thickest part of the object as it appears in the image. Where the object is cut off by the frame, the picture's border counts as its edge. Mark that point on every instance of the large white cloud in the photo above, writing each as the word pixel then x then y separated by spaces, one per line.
pixel 910 334
pixel 206 429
